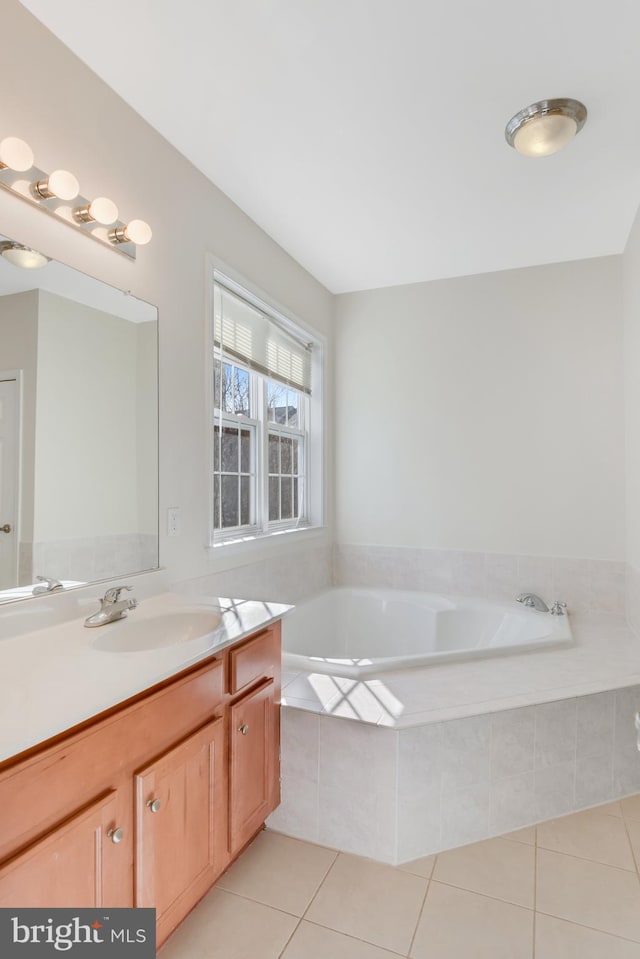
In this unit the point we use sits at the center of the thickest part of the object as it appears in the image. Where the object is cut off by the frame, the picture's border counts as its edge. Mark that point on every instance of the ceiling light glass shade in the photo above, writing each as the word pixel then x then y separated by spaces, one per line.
pixel 138 232
pixel 15 154
pixel 23 256
pixel 543 128
pixel 60 184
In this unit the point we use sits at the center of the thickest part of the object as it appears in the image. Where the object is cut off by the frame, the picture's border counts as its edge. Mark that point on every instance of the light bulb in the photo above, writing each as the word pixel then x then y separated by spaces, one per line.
pixel 60 184
pixel 15 154
pixel 101 210
pixel 138 232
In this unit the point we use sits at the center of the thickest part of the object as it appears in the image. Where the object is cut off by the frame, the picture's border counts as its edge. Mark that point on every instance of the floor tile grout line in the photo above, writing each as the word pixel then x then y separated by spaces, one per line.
pixel 596 862
pixel 421 911
pixel 257 902
pixel 350 935
pixel 633 852
pixel 582 925
pixel 535 889
pixel 286 945
pixel 320 885
pixel 486 895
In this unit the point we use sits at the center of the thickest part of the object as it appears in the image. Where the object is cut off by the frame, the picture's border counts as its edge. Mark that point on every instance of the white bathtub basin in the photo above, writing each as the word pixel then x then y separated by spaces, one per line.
pixel 356 632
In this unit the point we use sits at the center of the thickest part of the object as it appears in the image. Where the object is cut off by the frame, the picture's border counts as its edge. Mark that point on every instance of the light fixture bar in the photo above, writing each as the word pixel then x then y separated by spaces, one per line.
pixel 58 195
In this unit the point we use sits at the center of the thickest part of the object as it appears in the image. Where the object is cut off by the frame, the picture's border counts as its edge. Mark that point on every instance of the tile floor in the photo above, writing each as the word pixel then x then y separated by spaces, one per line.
pixel 566 889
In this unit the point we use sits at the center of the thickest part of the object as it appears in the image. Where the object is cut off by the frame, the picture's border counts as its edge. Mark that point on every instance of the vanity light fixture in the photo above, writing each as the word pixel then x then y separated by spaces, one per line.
pixel 15 154
pixel 22 256
pixel 545 127
pixel 101 210
pixel 60 184
pixel 52 192
pixel 137 231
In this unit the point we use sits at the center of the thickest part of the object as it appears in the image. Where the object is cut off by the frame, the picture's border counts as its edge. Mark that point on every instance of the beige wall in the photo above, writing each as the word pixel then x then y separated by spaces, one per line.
pixel 484 413
pixel 86 128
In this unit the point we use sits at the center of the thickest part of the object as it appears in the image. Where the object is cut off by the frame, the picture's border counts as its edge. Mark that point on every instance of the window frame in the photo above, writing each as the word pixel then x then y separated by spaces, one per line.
pixel 311 434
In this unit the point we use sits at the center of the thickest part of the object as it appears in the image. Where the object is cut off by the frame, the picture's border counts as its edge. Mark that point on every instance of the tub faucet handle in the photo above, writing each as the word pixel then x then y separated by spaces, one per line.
pixel 558 608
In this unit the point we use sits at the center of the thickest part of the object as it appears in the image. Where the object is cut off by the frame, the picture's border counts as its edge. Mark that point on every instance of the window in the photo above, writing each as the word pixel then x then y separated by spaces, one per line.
pixel 264 444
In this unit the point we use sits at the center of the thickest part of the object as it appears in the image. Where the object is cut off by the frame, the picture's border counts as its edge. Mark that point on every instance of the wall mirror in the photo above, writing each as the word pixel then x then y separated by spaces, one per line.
pixel 78 428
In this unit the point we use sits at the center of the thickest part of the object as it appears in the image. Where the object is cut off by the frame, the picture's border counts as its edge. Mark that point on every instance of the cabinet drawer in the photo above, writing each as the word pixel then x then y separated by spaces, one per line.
pixel 254 660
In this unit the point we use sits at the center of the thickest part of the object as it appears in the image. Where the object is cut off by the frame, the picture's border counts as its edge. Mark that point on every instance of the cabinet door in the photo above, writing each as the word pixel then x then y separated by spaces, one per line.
pixel 72 865
pixel 180 816
pixel 254 752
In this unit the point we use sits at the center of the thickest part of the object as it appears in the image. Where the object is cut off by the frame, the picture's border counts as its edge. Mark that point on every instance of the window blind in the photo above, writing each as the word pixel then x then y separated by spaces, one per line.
pixel 245 333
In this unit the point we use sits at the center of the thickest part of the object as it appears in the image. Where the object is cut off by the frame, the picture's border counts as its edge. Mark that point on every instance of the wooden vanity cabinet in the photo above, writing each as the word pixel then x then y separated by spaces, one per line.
pixel 149 803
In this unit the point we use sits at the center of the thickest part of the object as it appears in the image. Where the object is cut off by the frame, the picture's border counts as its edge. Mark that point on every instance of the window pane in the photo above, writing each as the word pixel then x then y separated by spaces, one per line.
pixel 286 498
pixel 241 392
pixel 274 498
pixel 229 450
pixel 274 454
pixel 230 501
pixel 292 407
pixel 296 447
pixel 295 498
pixel 227 388
pixel 245 451
pixel 216 384
pixel 285 454
pixel 276 402
pixel 245 500
pixel 216 448
pixel 216 502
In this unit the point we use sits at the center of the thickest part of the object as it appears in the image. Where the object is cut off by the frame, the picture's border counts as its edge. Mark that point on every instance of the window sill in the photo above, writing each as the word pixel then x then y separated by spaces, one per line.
pixel 264 541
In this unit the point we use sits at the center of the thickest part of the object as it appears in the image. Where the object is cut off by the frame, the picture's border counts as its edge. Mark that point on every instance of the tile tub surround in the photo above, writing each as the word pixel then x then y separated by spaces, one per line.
pixel 395 795
pixel 589 587
pixel 566 889
pixel 288 578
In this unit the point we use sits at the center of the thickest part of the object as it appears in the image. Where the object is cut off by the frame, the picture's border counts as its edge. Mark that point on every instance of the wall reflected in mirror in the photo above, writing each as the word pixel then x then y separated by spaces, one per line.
pixel 78 430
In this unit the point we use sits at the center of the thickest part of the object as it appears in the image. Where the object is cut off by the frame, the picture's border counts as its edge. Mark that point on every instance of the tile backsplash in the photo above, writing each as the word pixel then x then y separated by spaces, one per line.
pixel 589 587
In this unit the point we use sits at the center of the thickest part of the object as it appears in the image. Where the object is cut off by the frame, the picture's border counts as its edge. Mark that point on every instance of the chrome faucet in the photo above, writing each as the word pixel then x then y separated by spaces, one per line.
pixel 530 599
pixel 47 585
pixel 111 607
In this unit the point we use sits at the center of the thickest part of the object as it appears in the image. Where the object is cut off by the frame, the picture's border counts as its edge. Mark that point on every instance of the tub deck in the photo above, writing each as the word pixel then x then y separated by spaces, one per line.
pixel 413 762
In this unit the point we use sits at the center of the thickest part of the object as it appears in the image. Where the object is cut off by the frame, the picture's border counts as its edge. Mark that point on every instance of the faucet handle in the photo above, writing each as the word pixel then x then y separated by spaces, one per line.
pixel 558 609
pixel 112 595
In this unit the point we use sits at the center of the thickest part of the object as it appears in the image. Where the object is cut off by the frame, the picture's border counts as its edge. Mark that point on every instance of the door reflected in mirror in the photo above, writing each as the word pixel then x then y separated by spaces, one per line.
pixel 78 430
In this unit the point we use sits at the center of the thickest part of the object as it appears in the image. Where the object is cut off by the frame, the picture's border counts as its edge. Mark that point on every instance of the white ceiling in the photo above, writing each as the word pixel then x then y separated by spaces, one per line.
pixel 366 136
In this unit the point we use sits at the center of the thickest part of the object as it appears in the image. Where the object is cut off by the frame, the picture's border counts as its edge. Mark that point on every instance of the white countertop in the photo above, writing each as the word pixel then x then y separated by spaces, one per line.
pixel 53 678
pixel 605 656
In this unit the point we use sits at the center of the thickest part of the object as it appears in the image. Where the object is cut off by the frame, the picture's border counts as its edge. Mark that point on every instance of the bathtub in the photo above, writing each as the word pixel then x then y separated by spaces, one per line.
pixel 356 632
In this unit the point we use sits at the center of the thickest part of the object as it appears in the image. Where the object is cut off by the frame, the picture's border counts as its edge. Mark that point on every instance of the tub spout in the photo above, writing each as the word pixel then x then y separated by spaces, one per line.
pixel 530 599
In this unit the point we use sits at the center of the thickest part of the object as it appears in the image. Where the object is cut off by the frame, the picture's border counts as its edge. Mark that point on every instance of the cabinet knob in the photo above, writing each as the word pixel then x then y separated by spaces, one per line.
pixel 244 729
pixel 153 804
pixel 115 835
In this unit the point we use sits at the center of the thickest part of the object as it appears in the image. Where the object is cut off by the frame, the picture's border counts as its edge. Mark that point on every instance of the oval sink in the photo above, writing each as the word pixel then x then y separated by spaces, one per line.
pixel 156 632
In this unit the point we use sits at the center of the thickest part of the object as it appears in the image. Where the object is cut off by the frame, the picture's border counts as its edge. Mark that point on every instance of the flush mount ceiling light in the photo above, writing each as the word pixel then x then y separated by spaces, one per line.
pixel 53 192
pixel 22 256
pixel 545 127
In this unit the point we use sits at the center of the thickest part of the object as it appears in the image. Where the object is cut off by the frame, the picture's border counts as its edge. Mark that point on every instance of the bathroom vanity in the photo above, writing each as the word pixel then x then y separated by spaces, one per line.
pixel 149 801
